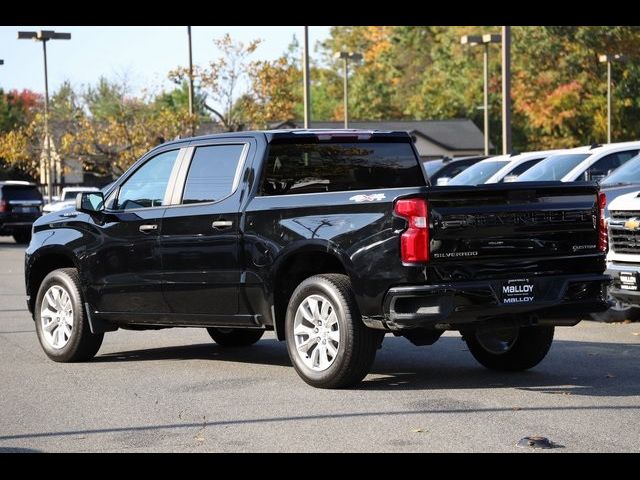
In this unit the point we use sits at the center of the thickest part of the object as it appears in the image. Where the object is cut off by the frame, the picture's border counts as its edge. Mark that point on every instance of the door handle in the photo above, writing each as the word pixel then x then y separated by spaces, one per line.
pixel 148 228
pixel 220 224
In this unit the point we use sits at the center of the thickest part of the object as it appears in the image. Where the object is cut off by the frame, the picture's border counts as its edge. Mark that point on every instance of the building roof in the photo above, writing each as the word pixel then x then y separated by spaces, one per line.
pixel 454 134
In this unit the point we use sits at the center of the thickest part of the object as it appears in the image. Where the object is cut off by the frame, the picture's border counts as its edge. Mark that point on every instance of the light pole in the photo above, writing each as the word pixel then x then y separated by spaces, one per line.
pixel 506 90
pixel 484 40
pixel 306 79
pixel 609 59
pixel 191 107
pixel 44 36
pixel 346 56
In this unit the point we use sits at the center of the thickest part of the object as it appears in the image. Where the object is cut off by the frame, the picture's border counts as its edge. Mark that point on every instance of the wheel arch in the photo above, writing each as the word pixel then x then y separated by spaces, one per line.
pixel 299 262
pixel 41 265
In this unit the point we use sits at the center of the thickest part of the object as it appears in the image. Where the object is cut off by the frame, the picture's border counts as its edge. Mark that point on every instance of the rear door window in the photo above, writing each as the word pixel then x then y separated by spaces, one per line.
pixel 334 167
pixel 212 173
pixel 608 164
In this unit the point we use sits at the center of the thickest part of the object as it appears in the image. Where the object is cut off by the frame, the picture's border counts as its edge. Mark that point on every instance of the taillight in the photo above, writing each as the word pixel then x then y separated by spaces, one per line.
pixel 603 234
pixel 4 206
pixel 414 242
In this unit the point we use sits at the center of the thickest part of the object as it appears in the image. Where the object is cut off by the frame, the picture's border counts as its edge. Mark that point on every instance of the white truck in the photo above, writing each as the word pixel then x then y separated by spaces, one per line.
pixel 623 259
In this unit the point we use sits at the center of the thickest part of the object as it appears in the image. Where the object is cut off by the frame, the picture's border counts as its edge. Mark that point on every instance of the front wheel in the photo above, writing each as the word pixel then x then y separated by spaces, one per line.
pixel 61 322
pixel 235 337
pixel 329 345
pixel 510 348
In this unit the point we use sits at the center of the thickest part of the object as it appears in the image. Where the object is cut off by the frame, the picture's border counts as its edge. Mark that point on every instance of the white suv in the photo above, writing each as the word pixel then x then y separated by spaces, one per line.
pixel 623 259
pixel 582 163
pixel 67 198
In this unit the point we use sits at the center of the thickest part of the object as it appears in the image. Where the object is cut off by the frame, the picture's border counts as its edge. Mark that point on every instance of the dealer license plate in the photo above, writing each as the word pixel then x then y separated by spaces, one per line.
pixel 516 291
pixel 628 281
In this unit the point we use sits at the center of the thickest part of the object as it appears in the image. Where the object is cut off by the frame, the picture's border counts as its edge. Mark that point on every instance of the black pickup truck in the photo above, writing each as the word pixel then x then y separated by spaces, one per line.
pixel 330 238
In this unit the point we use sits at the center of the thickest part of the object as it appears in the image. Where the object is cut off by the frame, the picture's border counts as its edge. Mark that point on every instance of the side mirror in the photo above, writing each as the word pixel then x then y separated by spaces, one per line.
pixel 442 181
pixel 90 202
pixel 510 178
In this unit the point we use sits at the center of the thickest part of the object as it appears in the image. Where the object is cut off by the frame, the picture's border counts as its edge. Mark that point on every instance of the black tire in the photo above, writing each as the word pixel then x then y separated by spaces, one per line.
pixel 235 337
pixel 358 343
pixel 22 237
pixel 617 313
pixel 82 344
pixel 528 350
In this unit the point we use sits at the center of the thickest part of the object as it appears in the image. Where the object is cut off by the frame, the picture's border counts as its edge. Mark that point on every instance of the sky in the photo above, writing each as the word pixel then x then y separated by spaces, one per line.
pixel 141 55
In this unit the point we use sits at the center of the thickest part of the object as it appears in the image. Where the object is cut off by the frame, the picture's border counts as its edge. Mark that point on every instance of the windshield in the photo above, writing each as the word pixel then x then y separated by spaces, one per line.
pixel 627 173
pixel 432 166
pixel 552 168
pixel 477 174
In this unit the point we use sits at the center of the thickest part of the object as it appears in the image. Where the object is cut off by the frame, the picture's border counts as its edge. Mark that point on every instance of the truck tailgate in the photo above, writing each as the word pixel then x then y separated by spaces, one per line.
pixel 512 228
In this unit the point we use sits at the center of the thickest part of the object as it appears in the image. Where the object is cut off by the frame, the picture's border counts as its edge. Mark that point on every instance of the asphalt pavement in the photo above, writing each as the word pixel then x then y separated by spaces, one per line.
pixel 175 390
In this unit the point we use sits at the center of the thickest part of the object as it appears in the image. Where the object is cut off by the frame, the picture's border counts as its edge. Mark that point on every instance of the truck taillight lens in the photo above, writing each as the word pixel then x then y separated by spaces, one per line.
pixel 603 234
pixel 4 206
pixel 414 242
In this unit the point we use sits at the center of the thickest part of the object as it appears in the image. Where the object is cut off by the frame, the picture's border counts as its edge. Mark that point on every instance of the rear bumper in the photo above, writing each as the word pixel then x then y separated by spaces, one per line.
pixel 627 296
pixel 559 300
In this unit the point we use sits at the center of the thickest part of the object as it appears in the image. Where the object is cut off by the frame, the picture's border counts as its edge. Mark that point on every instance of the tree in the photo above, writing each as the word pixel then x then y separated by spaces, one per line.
pixel 222 80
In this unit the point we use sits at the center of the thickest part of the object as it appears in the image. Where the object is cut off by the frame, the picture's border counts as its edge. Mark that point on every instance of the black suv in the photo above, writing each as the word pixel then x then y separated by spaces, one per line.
pixel 20 205
pixel 330 238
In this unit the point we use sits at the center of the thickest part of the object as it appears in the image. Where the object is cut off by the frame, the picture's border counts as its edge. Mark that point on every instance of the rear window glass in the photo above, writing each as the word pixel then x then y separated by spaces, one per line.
pixel 331 167
pixel 20 193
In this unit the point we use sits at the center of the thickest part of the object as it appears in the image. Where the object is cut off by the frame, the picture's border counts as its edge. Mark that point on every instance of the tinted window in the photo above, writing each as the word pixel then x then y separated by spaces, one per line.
pixel 608 164
pixel 553 168
pixel 15 192
pixel 452 169
pixel 524 166
pixel 332 167
pixel 147 186
pixel 627 173
pixel 477 174
pixel 211 173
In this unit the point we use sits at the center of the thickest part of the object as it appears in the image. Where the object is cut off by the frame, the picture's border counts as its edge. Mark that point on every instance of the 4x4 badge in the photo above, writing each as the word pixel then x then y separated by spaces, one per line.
pixel 632 224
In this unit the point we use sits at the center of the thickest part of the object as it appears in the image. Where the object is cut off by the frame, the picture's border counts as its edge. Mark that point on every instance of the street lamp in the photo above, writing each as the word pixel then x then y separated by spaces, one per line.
pixel 609 59
pixel 485 40
pixel 191 108
pixel 346 56
pixel 306 79
pixel 44 36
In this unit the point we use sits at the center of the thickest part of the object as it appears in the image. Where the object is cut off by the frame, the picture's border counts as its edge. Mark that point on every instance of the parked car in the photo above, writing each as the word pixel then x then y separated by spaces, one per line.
pixel 499 169
pixel 582 163
pixel 67 198
pixel 623 180
pixel 439 172
pixel 623 259
pixel 20 206
pixel 330 238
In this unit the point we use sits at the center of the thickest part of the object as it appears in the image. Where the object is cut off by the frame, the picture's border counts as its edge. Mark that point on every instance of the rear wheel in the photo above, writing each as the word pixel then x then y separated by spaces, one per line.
pixel 235 337
pixel 61 322
pixel 329 345
pixel 619 312
pixel 22 236
pixel 510 348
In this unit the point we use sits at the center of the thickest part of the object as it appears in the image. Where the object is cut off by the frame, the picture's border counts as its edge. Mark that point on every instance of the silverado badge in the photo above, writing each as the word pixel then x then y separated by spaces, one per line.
pixel 632 224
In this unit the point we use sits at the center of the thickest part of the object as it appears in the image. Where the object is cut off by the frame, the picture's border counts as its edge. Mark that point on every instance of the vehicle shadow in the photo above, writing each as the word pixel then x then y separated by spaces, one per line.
pixel 572 367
